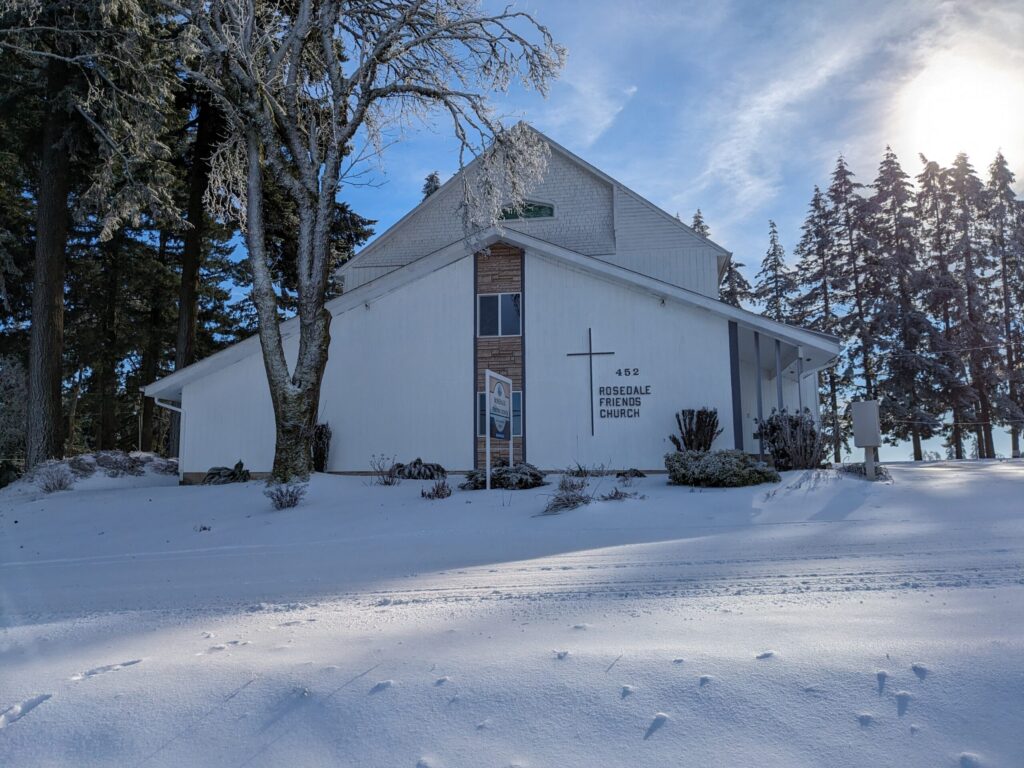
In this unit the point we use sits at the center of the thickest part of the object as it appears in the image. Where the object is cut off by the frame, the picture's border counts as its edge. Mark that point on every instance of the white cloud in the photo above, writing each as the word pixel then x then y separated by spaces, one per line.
pixel 583 107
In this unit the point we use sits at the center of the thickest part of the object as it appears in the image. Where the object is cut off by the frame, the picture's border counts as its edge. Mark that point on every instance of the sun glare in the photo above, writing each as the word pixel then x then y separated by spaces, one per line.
pixel 962 102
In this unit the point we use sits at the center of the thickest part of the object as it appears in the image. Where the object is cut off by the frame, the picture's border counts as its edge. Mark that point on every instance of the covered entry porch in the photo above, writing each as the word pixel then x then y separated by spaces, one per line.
pixel 773 367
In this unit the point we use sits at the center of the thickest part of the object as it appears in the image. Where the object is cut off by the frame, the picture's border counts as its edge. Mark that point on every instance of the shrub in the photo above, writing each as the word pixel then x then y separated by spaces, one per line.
pixel 54 476
pixel 697 429
pixel 384 470
pixel 793 440
pixel 617 494
pixel 580 470
pixel 119 463
pixel 285 495
pixel 417 469
pixel 517 478
pixel 82 466
pixel 857 469
pixel 321 446
pixel 717 469
pixel 225 475
pixel 571 494
pixel 9 472
pixel 439 490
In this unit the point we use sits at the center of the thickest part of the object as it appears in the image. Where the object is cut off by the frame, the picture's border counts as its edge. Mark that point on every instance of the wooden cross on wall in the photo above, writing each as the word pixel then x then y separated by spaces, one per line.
pixel 589 354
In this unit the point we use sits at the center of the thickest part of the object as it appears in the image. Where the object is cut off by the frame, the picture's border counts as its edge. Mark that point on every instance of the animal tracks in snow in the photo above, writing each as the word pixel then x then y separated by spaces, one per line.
pixel 17 711
pixel 104 669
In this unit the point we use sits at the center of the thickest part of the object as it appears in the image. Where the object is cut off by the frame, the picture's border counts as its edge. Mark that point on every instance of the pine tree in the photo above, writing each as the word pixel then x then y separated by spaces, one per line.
pixel 431 184
pixel 933 211
pixel 906 367
pixel 857 283
pixel 972 264
pixel 734 288
pixel 1005 219
pixel 815 304
pixel 775 285
pixel 698 224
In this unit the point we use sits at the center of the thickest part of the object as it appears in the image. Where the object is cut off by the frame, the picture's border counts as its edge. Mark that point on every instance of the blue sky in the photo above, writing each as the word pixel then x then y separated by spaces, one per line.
pixel 739 108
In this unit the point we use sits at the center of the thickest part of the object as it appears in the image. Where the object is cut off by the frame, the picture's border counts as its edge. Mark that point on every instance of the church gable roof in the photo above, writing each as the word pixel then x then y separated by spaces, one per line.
pixel 593 214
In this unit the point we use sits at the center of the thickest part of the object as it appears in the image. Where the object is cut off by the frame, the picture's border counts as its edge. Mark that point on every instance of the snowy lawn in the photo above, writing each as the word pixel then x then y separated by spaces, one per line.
pixel 824 621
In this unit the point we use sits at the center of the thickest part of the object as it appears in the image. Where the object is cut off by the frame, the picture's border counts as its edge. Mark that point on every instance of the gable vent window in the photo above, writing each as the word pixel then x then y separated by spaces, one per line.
pixel 529 211
pixel 499 314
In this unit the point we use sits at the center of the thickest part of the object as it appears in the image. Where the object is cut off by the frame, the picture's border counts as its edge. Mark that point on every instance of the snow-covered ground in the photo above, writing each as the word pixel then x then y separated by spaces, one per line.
pixel 825 621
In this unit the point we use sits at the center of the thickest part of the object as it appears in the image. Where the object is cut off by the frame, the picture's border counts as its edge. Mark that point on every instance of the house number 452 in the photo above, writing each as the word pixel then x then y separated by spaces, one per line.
pixel 628 372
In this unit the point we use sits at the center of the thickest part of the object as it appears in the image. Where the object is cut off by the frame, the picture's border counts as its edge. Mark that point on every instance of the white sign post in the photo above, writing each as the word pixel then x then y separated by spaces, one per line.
pixel 867 432
pixel 499 415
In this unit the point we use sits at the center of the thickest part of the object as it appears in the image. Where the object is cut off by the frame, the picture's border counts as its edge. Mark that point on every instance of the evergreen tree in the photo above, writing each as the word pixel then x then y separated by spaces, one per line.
pixel 977 338
pixel 906 367
pixel 734 288
pixel 933 211
pixel 1005 230
pixel 431 184
pixel 698 224
pixel 775 285
pixel 815 304
pixel 857 279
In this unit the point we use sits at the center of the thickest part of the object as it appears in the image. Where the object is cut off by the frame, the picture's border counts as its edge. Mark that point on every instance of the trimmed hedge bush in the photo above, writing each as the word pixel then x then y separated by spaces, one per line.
pixel 717 469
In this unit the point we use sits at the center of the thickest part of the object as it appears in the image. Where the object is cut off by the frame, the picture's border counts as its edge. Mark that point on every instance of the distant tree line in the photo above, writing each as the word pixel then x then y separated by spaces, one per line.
pixel 924 283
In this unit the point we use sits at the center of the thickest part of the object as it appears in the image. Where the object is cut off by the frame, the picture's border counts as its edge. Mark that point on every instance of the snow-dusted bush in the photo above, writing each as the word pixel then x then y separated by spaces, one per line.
pixel 285 495
pixel 617 494
pixel 581 470
pixel 321 446
pixel 439 490
pixel 13 396
pixel 53 476
pixel 384 470
pixel 517 478
pixel 119 463
pixel 9 472
pixel 418 469
pixel 717 469
pixel 224 475
pixel 793 440
pixel 571 494
pixel 697 429
pixel 82 466
pixel 858 469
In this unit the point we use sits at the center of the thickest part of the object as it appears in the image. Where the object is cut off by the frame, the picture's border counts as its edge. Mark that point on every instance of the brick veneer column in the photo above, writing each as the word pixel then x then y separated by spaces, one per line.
pixel 499 269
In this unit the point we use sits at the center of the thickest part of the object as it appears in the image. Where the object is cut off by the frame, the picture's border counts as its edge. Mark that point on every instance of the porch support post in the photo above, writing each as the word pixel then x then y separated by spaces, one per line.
pixel 778 372
pixel 734 368
pixel 800 377
pixel 760 395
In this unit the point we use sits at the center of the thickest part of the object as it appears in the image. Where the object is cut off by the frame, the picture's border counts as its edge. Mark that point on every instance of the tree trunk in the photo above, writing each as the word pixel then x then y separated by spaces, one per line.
pixel 1011 367
pixel 107 368
pixel 192 249
pixel 149 366
pixel 915 436
pixel 834 400
pixel 76 390
pixel 44 438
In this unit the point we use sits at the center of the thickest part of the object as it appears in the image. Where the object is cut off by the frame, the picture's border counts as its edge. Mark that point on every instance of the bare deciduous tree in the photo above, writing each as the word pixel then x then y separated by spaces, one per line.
pixel 302 85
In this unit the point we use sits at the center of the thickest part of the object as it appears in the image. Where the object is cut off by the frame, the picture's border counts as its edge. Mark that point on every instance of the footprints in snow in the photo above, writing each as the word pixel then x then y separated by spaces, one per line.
pixel 920 670
pixel 765 655
pixel 17 711
pixel 660 718
pixel 383 685
pixel 223 647
pixel 106 668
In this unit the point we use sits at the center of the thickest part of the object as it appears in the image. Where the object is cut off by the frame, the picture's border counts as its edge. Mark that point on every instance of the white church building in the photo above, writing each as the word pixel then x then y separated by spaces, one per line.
pixel 602 309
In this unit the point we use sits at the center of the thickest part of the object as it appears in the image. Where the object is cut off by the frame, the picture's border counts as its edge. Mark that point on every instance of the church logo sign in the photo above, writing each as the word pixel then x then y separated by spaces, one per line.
pixel 500 411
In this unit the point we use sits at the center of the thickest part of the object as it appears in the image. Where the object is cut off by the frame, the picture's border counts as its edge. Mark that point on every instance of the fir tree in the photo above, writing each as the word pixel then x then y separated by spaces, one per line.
pixel 775 285
pixel 857 274
pixel 1005 230
pixel 933 211
pixel 815 305
pixel 431 184
pixel 977 338
pixel 698 224
pixel 734 288
pixel 905 368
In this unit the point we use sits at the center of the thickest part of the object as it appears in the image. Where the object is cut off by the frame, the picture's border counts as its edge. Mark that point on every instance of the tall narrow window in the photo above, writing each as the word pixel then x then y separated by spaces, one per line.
pixel 499 314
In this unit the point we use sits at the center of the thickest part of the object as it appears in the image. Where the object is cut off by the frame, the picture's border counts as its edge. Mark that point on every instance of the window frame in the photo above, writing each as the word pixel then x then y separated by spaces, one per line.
pixel 499 334
pixel 506 212
pixel 482 395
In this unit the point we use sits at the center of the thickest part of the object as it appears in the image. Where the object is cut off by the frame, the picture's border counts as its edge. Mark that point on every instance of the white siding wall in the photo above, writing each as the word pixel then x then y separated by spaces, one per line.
pixel 229 416
pixel 582 222
pixel 648 242
pixel 400 377
pixel 682 353
pixel 399 381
